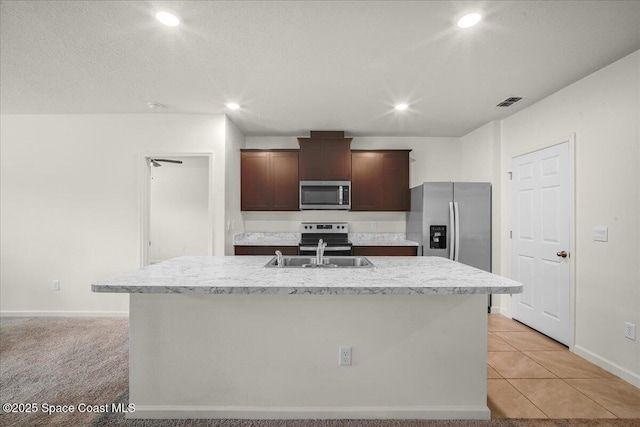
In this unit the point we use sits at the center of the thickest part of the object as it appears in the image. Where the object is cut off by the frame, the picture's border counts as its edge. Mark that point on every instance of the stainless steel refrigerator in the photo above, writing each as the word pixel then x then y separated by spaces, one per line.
pixel 452 220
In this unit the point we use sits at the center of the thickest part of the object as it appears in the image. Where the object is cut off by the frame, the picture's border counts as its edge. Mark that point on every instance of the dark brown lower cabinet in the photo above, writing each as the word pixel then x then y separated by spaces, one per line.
pixel 357 250
pixel 265 250
pixel 385 250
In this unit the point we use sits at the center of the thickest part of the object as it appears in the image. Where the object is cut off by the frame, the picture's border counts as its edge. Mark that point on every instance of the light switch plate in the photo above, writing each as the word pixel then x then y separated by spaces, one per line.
pixel 601 233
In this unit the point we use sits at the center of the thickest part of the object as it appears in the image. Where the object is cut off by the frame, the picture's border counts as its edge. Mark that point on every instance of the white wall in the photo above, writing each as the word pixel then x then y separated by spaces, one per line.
pixel 235 141
pixel 431 159
pixel 70 190
pixel 480 153
pixel 603 111
pixel 179 208
pixel 476 157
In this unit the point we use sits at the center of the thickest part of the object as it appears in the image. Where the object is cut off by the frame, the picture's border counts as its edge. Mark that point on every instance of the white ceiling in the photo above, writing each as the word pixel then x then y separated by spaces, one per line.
pixel 300 66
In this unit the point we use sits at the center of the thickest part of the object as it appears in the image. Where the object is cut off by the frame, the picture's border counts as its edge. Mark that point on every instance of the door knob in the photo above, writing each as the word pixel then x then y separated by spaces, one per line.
pixel 562 254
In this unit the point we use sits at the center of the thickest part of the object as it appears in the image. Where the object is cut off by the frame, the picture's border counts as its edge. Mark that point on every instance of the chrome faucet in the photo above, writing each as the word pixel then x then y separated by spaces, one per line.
pixel 279 259
pixel 320 252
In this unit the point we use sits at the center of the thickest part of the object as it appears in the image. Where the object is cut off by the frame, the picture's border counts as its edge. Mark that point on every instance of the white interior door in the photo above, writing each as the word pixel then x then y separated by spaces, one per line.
pixel 541 236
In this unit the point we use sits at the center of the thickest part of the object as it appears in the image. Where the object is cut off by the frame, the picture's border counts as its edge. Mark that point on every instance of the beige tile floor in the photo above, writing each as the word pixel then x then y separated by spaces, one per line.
pixel 532 376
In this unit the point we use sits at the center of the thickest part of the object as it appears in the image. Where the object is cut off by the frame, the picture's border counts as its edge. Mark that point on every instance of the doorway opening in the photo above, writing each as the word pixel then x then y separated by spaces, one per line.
pixel 177 217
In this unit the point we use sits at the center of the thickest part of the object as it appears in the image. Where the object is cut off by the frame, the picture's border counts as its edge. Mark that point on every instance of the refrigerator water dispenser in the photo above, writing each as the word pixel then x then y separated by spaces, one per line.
pixel 438 237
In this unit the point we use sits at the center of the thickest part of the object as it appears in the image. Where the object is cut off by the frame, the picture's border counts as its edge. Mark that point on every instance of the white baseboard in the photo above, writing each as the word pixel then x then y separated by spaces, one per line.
pixel 15 313
pixel 282 413
pixel 607 365
pixel 500 310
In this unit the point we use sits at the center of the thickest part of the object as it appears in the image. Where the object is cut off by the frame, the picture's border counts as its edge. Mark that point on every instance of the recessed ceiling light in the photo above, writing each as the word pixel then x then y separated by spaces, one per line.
pixel 167 17
pixel 469 20
pixel 232 106
pixel 401 107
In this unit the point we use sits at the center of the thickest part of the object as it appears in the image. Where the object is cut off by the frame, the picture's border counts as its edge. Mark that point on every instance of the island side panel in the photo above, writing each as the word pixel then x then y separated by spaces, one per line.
pixel 276 356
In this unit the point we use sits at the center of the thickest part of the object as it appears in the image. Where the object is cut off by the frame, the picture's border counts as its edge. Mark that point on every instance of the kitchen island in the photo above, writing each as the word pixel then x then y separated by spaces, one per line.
pixel 224 337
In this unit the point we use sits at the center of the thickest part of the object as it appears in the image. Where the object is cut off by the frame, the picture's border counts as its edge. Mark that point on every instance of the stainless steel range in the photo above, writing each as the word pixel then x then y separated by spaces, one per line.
pixel 334 234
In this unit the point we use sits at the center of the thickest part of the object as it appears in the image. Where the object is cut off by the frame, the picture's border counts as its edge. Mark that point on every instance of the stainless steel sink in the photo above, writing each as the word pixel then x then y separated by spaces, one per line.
pixel 328 262
pixel 349 261
pixel 292 261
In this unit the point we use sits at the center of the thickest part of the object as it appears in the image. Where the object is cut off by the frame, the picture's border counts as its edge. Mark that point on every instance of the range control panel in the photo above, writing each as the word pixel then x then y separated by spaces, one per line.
pixel 324 227
pixel 438 237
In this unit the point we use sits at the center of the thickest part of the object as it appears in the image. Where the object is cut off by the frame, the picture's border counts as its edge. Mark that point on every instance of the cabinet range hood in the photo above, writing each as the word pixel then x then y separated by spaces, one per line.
pixel 325 171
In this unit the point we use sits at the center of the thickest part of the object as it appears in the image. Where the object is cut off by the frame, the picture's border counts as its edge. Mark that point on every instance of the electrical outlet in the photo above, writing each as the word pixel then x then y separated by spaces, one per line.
pixel 56 285
pixel 344 358
pixel 630 331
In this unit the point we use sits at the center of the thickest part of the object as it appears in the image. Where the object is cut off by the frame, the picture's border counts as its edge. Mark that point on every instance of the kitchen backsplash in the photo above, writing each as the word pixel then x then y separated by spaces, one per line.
pixel 359 222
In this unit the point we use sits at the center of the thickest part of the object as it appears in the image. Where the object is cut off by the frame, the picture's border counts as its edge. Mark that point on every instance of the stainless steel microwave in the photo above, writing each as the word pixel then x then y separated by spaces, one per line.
pixel 326 195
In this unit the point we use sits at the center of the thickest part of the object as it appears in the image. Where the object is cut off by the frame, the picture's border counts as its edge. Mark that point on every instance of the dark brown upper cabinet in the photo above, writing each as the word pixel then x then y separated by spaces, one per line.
pixel 269 180
pixel 325 156
pixel 380 180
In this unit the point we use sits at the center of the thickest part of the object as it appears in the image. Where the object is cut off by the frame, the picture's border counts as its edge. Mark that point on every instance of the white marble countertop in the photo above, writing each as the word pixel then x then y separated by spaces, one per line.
pixel 266 239
pixel 292 239
pixel 380 239
pixel 247 275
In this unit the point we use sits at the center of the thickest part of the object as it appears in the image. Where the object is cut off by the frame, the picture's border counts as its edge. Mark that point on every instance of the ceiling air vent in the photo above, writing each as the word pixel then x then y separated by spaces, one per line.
pixel 509 101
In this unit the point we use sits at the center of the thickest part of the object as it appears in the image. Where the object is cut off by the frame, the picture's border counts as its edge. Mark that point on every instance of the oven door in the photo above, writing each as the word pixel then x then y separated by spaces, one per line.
pixel 327 195
pixel 328 251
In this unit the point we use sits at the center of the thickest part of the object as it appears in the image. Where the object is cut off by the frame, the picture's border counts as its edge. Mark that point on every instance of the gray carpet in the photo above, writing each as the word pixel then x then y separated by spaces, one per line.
pixel 85 360
pixel 62 361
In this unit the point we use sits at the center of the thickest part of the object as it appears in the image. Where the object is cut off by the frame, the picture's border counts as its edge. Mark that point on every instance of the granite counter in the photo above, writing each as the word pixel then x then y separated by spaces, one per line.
pixel 225 337
pixel 247 275
pixel 292 239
